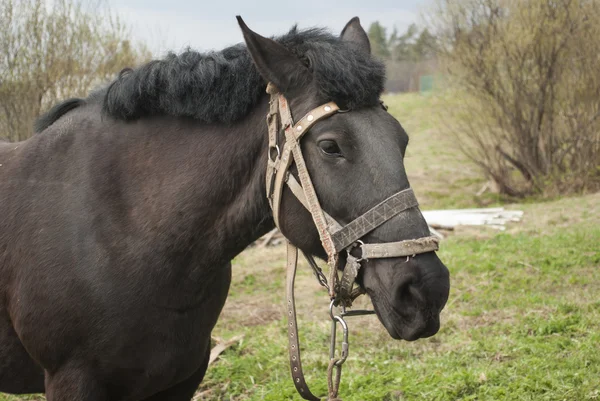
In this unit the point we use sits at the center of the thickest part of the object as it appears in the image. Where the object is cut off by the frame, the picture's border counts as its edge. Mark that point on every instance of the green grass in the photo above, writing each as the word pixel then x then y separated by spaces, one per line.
pixel 440 174
pixel 522 321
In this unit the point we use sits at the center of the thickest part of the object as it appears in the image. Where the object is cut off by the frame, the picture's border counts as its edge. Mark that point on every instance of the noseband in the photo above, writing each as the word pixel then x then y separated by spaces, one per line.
pixel 335 238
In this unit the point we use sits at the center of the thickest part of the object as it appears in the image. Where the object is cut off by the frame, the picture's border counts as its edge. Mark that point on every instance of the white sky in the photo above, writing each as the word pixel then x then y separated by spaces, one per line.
pixel 175 24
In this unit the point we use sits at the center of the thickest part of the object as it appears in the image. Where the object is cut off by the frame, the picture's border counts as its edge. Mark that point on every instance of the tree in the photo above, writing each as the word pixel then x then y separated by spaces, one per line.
pixel 407 57
pixel 55 50
pixel 425 46
pixel 378 38
pixel 528 80
pixel 403 45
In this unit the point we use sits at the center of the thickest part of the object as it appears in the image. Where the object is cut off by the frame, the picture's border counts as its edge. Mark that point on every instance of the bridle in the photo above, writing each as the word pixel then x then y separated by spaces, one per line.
pixel 335 238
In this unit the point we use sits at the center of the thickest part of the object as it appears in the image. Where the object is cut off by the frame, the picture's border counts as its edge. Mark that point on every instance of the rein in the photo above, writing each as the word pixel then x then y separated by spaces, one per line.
pixel 335 238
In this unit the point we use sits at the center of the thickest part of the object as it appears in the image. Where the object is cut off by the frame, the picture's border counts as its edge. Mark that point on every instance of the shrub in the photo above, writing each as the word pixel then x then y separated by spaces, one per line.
pixel 55 50
pixel 527 75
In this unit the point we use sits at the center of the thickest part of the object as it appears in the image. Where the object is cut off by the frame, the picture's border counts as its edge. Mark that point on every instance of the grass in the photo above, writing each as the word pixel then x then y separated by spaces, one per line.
pixel 440 174
pixel 522 321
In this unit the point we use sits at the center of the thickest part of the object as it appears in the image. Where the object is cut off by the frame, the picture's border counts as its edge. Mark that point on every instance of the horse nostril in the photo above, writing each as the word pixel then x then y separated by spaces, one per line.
pixel 407 294
pixel 402 293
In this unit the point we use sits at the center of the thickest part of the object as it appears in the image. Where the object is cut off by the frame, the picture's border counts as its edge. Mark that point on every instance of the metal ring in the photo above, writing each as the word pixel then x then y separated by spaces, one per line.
pixel 354 245
pixel 276 147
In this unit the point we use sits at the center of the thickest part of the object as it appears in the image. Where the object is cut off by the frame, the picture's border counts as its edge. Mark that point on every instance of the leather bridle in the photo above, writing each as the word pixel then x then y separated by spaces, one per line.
pixel 335 238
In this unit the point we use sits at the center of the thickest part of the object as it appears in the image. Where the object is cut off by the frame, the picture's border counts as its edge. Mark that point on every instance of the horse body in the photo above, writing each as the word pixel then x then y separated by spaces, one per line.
pixel 141 271
pixel 120 219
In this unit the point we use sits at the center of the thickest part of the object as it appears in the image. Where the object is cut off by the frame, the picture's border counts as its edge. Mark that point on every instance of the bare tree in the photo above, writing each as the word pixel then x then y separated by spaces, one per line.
pixel 53 50
pixel 526 73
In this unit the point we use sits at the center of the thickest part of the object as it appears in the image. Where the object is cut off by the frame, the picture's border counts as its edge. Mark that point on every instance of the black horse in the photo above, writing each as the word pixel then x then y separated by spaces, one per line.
pixel 119 221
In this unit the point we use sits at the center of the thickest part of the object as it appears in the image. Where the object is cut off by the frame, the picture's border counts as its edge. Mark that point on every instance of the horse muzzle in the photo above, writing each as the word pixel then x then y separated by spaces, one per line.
pixel 409 294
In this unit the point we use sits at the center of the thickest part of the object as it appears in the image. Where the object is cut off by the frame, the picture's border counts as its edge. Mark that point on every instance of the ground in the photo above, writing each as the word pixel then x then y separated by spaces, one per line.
pixel 522 321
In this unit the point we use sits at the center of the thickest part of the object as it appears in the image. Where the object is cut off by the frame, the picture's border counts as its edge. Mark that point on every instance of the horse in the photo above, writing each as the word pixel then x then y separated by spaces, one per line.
pixel 121 217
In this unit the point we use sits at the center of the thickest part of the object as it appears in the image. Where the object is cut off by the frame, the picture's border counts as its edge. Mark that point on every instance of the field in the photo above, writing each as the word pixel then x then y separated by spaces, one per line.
pixel 522 321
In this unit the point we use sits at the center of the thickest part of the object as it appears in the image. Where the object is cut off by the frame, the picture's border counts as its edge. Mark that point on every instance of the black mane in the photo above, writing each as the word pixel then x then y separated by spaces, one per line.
pixel 223 86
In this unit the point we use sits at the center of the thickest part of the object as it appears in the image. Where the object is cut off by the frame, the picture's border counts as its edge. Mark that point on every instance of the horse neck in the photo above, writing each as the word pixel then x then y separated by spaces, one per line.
pixel 247 215
pixel 209 184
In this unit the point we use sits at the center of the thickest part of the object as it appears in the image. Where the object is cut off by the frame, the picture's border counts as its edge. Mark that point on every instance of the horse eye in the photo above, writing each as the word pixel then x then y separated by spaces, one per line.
pixel 330 148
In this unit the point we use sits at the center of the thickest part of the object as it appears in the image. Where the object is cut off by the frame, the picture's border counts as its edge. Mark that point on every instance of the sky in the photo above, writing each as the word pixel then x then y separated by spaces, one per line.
pixel 211 25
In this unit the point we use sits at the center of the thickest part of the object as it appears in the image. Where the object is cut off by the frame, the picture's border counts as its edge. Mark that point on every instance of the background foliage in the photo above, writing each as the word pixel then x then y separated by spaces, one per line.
pixel 54 50
pixel 528 79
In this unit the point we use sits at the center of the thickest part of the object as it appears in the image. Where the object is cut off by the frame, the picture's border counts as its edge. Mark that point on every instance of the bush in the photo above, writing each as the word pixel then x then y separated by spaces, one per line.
pixel 55 50
pixel 527 75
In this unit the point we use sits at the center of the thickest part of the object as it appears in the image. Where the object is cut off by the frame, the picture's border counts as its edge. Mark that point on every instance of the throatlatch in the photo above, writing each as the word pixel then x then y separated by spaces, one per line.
pixel 335 238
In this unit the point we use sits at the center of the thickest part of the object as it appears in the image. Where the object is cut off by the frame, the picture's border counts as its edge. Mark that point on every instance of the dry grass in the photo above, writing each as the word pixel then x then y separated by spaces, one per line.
pixel 439 173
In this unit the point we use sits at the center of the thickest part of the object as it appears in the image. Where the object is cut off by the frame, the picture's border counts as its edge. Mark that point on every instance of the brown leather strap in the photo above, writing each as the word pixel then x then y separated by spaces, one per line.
pixel 294 343
pixel 347 281
pixel 373 218
pixel 318 217
pixel 292 134
pixel 372 251
pixel 312 117
pixel 276 176
pixel 274 151
pixel 296 188
pixel 282 170
pixel 400 248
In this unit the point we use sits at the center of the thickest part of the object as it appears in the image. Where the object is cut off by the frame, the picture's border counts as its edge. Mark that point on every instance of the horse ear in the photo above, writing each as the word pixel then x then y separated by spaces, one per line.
pixel 355 35
pixel 274 62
